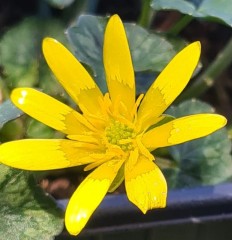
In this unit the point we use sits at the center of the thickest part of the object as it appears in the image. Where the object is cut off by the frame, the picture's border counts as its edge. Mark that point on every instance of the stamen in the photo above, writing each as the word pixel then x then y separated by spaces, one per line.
pixel 133 158
pixel 83 120
pixel 88 146
pixel 135 109
pixel 120 135
pixel 97 121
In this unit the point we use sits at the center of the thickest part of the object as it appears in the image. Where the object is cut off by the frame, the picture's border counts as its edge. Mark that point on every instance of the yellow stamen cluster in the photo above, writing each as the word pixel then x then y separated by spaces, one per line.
pixel 120 134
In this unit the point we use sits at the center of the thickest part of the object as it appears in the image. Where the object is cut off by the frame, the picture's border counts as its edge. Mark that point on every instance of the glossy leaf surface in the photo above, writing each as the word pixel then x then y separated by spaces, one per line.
pixel 220 10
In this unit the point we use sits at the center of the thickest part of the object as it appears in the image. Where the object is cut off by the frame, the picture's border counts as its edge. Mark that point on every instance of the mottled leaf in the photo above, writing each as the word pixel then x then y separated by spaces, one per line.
pixel 26 212
pixel 220 10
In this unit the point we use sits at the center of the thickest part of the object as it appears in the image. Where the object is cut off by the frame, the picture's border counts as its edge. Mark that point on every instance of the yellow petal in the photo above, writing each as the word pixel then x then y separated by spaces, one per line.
pixel 118 180
pixel 49 111
pixel 72 75
pixel 145 185
pixel 183 129
pixel 38 154
pixel 89 195
pixel 169 84
pixel 118 64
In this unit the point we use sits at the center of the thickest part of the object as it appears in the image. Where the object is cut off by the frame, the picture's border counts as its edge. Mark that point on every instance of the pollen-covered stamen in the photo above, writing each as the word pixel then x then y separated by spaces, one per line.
pixel 121 135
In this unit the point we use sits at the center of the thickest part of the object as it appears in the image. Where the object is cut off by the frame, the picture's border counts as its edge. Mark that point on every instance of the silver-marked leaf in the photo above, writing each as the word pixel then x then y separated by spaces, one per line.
pixel 220 10
pixel 26 213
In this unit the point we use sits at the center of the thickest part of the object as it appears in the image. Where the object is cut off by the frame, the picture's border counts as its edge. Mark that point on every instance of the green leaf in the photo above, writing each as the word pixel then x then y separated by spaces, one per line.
pixel 198 8
pixel 21 55
pixel 36 129
pixel 8 112
pixel 203 161
pixel 12 130
pixel 26 212
pixel 149 51
pixel 60 3
pixel 18 54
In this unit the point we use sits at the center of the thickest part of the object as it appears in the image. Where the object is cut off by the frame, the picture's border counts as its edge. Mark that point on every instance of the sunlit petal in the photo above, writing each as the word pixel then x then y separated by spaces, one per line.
pixel 145 185
pixel 72 75
pixel 39 154
pixel 49 111
pixel 183 129
pixel 169 84
pixel 118 64
pixel 89 195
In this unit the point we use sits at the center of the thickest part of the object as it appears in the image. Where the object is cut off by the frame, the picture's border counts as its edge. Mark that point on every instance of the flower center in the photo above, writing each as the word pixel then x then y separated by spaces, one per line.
pixel 121 135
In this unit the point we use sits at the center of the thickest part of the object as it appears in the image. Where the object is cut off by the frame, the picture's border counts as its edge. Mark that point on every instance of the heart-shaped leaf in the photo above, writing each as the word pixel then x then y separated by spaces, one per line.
pixel 149 51
pixel 220 10
pixel 26 213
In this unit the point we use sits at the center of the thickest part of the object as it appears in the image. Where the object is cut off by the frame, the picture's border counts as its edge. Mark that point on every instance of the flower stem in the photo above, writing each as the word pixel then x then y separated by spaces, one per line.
pixel 146 14
pixel 208 77
pixel 180 25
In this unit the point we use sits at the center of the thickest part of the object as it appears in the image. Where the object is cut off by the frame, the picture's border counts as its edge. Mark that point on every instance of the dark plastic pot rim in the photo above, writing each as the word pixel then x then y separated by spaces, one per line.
pixel 189 205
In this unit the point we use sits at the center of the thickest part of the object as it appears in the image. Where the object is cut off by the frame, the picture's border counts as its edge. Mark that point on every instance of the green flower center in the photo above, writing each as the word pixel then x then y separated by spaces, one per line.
pixel 120 134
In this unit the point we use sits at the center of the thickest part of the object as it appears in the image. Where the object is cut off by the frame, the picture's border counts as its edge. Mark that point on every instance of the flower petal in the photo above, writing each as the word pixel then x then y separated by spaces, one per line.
pixel 169 84
pixel 145 185
pixel 89 195
pixel 183 129
pixel 118 64
pixel 39 154
pixel 49 111
pixel 72 75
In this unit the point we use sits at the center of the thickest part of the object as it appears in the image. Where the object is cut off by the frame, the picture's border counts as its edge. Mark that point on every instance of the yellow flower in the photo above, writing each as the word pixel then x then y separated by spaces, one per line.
pixel 115 133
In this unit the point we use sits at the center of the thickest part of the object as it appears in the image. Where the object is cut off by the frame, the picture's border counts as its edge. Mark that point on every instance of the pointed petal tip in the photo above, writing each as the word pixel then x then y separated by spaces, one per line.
pixel 196 46
pixel 145 210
